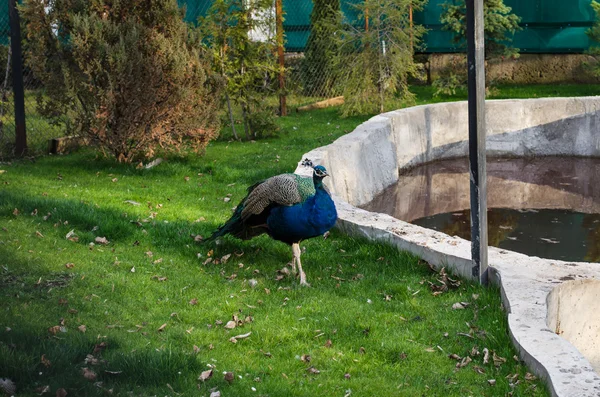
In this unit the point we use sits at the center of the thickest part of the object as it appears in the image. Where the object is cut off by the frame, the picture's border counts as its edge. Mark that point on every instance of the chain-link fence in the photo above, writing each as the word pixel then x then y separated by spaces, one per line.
pixel 329 45
pixel 38 130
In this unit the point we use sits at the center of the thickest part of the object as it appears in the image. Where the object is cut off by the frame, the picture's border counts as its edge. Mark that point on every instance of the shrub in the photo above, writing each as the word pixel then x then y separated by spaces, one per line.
pixel 125 73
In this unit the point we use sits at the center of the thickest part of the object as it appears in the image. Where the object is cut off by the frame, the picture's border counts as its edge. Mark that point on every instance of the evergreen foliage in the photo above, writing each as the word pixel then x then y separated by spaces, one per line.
pixel 248 66
pixel 499 27
pixel 318 69
pixel 125 73
pixel 375 63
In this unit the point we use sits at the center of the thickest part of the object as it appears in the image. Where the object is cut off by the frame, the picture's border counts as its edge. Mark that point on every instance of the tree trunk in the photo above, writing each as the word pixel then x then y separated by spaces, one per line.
pixel 246 124
pixel 231 120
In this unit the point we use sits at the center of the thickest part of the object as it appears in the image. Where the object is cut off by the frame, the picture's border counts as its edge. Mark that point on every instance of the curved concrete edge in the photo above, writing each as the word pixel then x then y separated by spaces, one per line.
pixel 370 158
pixel 524 283
pixel 573 310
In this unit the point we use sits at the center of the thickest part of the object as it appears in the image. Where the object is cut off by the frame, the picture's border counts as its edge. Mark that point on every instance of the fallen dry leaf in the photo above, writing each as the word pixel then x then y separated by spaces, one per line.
pixel 459 305
pixel 42 389
pixel 114 179
pixel 70 265
pixel 61 392
pixel 91 360
pixel 498 361
pixel 529 376
pixel 228 376
pixel 215 393
pixel 329 343
pixel 225 258
pixel 305 358
pixel 101 240
pixel 40 235
pixel 54 330
pixel 162 327
pixel 45 361
pixel 149 254
pixel 16 212
pixel 194 301
pixel 89 374
pixel 492 382
pixel 99 347
pixel 464 362
pixel 230 324
pixel 486 355
pixel 205 375
pixel 313 370
pixel 478 369
pixel 82 328
pixel 454 356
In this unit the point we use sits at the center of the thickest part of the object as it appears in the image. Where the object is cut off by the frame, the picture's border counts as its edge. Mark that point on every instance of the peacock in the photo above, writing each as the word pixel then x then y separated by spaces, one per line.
pixel 288 207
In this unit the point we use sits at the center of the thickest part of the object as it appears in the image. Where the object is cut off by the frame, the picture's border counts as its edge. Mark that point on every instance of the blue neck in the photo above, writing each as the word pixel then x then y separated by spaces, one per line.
pixel 318 181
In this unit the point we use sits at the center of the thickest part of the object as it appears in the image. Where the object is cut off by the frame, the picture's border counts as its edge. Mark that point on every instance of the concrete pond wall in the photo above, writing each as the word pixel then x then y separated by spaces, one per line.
pixel 366 161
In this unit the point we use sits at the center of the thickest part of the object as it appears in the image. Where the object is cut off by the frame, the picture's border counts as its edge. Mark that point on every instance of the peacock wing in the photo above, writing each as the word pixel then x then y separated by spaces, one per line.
pixel 284 189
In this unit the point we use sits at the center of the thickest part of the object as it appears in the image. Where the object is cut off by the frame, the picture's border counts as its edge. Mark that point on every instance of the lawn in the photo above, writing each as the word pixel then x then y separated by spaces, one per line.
pixel 148 310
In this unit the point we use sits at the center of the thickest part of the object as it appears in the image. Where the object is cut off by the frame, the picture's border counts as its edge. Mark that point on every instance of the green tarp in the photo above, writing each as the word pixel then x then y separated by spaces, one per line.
pixel 548 26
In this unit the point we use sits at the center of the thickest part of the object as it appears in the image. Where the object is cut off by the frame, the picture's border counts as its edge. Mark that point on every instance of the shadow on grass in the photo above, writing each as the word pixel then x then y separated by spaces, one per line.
pixel 33 356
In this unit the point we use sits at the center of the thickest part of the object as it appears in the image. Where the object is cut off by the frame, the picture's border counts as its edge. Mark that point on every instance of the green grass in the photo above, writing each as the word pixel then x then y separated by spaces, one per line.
pixel 394 346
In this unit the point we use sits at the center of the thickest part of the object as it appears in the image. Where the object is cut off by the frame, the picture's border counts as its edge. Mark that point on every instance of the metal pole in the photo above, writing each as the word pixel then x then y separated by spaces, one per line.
pixel 477 133
pixel 279 32
pixel 17 75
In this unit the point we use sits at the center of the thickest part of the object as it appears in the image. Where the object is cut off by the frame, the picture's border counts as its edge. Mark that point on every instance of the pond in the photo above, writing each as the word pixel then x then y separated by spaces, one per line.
pixel 547 207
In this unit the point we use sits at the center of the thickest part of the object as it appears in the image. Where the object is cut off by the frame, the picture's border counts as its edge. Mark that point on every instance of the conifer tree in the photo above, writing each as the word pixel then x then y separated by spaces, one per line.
pixel 125 73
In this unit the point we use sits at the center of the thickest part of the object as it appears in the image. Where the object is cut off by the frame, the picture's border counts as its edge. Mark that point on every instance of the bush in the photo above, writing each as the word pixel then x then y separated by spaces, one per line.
pixel 126 73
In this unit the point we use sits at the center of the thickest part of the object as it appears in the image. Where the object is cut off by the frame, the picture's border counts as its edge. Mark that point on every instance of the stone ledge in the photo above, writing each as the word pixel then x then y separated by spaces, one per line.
pixel 367 160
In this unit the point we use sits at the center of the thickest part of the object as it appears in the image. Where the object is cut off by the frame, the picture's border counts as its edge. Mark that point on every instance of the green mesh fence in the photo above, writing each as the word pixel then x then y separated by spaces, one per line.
pixel 194 8
pixel 548 26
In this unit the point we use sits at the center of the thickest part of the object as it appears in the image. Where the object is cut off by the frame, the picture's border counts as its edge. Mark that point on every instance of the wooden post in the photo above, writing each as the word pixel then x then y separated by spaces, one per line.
pixel 279 33
pixel 17 76
pixel 477 134
pixel 366 19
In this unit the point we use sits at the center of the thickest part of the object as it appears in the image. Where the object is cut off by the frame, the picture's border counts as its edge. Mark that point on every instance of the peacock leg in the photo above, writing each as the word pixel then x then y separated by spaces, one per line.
pixel 294 258
pixel 296 251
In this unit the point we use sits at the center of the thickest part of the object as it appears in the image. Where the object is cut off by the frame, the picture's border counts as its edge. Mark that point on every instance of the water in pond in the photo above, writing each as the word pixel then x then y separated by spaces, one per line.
pixel 547 207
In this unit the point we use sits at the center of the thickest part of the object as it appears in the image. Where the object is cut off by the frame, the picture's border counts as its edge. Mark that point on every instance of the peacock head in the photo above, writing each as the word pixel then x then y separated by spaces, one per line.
pixel 319 172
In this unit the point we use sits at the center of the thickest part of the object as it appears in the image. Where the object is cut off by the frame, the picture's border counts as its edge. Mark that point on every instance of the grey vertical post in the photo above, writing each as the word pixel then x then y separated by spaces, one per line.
pixel 17 76
pixel 477 133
